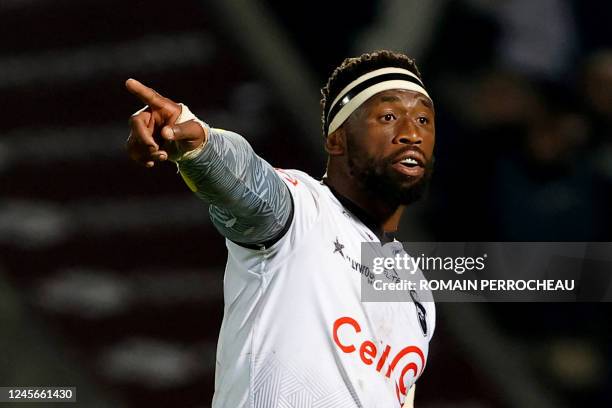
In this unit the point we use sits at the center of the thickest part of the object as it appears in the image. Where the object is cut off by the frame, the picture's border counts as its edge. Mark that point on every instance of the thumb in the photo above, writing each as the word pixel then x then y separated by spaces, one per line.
pixel 184 132
pixel 183 138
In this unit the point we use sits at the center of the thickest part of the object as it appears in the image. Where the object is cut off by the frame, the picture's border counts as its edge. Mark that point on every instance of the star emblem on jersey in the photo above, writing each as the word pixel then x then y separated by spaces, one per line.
pixel 338 247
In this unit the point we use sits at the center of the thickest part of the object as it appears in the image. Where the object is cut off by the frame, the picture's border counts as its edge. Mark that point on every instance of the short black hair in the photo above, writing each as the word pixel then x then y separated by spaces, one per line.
pixel 353 68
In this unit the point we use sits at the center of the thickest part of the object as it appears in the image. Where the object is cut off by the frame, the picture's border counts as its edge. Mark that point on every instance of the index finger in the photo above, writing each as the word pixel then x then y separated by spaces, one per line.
pixel 144 93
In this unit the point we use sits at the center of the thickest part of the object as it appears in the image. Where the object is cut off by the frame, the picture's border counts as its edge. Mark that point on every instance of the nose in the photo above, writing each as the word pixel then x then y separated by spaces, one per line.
pixel 407 132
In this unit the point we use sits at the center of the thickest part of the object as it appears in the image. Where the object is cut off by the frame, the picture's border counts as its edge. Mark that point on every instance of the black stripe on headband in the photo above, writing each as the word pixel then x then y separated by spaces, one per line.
pixel 351 93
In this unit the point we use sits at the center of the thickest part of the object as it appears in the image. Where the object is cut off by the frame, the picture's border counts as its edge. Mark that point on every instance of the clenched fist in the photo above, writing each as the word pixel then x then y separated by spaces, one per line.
pixel 157 132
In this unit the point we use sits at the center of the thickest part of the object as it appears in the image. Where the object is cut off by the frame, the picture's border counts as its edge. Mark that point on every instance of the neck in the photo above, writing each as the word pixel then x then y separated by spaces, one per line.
pixel 382 216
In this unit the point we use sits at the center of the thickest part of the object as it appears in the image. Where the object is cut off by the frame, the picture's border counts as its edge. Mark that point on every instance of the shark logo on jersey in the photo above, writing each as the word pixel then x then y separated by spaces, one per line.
pixel 421 312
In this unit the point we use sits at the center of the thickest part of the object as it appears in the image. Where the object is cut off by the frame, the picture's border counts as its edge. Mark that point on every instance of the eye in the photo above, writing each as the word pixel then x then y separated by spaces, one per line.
pixel 389 117
pixel 423 120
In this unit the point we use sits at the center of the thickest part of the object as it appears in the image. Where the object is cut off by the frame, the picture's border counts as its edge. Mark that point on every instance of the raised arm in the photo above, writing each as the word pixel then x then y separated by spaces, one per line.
pixel 249 203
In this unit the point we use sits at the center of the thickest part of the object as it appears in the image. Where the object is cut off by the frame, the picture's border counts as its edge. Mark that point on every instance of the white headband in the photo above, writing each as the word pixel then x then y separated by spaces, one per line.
pixel 364 87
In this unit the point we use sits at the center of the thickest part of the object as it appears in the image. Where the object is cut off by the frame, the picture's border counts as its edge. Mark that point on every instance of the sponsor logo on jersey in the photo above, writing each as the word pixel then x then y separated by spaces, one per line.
pixel 385 360
pixel 364 270
pixel 354 264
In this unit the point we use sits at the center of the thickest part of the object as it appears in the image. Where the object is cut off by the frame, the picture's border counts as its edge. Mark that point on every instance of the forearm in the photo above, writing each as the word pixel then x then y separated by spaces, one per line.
pixel 249 203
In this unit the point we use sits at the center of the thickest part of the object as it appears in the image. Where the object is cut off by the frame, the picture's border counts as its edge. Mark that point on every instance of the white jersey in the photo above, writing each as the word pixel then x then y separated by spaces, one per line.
pixel 295 332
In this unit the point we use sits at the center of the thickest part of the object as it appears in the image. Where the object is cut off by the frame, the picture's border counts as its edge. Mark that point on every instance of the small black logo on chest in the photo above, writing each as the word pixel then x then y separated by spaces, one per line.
pixel 421 312
pixel 338 247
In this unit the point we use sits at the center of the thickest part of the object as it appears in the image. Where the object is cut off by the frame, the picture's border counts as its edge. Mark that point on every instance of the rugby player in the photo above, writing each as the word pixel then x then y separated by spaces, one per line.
pixel 295 331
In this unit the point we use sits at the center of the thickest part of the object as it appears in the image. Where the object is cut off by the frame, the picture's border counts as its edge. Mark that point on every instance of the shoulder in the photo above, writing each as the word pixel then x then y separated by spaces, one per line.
pixel 308 202
pixel 306 191
pixel 295 178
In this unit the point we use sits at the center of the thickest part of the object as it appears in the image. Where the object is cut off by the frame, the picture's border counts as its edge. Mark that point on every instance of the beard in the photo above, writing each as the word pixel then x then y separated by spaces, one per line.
pixel 377 176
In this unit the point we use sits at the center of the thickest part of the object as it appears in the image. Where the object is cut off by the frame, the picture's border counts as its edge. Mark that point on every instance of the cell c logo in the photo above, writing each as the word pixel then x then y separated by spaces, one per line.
pixel 370 354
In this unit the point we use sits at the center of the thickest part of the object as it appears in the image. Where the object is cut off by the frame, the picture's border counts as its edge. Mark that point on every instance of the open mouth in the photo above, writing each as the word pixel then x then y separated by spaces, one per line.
pixel 409 162
pixel 410 167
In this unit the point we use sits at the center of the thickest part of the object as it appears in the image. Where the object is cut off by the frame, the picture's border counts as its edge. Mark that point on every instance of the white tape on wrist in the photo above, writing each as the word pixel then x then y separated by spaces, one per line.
pixel 185 116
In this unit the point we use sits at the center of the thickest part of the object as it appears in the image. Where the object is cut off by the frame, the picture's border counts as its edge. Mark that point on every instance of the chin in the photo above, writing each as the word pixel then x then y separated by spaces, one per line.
pixel 404 182
pixel 410 182
pixel 410 191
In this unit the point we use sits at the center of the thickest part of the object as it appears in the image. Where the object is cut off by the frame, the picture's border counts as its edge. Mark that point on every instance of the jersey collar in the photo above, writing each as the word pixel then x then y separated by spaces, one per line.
pixel 361 215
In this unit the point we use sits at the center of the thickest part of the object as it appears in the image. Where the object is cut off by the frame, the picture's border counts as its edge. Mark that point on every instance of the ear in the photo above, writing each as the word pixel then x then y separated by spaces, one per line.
pixel 335 143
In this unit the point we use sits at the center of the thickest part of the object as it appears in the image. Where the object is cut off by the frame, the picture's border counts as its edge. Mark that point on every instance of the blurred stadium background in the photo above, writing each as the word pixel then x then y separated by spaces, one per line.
pixel 111 275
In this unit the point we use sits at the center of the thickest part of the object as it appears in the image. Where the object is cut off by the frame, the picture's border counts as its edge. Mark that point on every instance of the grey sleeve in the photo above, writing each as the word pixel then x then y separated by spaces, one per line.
pixel 249 203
